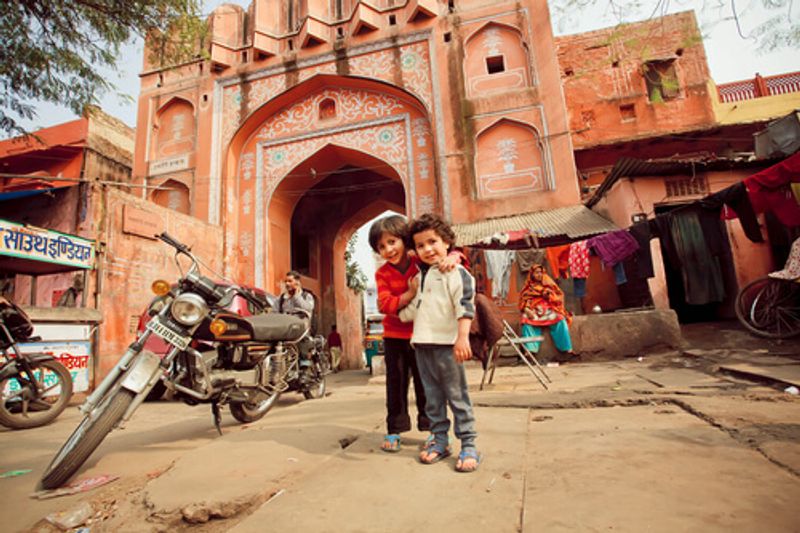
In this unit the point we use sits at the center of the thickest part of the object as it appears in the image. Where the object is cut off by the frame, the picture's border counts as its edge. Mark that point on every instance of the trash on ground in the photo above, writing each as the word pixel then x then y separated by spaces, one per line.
pixel 552 364
pixel 15 473
pixel 71 518
pixel 640 359
pixel 489 488
pixel 80 485
pixel 792 390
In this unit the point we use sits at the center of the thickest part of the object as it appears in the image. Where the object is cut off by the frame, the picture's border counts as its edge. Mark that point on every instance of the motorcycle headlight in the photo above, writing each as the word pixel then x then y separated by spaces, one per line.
pixel 189 309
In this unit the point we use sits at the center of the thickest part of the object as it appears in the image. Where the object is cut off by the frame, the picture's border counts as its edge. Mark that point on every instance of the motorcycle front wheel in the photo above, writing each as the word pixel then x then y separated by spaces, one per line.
pixel 21 407
pixel 85 439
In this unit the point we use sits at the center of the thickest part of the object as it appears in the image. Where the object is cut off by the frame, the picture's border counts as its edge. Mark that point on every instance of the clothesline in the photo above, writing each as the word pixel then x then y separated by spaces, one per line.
pixel 691 237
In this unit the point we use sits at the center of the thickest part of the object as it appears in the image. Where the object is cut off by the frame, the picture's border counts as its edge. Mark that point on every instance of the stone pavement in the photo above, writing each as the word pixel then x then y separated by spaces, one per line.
pixel 669 442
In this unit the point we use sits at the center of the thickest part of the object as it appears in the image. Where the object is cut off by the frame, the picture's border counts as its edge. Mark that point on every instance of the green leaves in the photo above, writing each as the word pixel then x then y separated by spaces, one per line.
pixel 54 50
pixel 356 279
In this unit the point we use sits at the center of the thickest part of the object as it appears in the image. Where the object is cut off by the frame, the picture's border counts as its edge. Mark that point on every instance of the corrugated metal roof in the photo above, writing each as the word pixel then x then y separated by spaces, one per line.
pixel 551 227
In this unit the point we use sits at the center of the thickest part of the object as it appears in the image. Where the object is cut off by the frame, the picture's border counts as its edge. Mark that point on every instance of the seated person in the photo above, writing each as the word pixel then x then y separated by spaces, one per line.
pixel 300 302
pixel 294 297
pixel 541 303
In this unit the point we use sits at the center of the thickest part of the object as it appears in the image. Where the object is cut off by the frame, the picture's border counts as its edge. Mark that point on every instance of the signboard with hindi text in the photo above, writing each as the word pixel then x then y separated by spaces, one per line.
pixel 74 355
pixel 37 244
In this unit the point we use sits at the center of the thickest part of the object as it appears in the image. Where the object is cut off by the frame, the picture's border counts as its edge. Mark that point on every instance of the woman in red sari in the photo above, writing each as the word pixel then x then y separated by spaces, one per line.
pixel 541 303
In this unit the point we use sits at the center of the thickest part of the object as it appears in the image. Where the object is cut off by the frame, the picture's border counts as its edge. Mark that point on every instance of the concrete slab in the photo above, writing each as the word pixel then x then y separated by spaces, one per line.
pixel 288 442
pixel 784 373
pixel 770 424
pixel 675 471
pixel 363 489
pixel 681 378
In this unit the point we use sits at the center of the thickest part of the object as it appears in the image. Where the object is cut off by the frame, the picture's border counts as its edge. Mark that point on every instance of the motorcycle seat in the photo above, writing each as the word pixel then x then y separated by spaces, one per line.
pixel 272 327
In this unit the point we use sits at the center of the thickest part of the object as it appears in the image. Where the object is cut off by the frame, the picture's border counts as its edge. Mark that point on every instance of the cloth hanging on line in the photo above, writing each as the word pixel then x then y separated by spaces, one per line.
pixel 558 259
pixel 640 264
pixel 498 269
pixel 477 268
pixel 579 287
pixel 579 259
pixel 614 246
pixel 734 201
pixel 771 190
pixel 690 250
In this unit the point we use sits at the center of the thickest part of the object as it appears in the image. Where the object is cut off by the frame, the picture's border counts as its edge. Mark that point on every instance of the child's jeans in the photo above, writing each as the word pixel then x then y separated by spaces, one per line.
pixel 446 383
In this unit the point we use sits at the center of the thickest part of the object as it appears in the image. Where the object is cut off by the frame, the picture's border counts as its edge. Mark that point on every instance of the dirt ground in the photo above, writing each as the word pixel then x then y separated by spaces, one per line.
pixel 669 442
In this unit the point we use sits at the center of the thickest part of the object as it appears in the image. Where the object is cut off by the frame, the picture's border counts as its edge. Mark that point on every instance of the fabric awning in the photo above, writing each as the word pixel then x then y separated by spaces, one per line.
pixel 541 228
pixel 17 194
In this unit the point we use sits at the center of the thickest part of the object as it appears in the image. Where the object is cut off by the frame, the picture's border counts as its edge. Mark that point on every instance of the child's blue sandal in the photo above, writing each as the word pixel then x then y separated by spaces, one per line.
pixel 469 453
pixel 442 451
pixel 391 443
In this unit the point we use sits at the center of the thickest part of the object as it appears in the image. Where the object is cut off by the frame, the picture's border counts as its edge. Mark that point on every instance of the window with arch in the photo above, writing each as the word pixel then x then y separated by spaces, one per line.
pixel 327 109
pixel 496 59
pixel 175 129
pixel 174 195
pixel 509 160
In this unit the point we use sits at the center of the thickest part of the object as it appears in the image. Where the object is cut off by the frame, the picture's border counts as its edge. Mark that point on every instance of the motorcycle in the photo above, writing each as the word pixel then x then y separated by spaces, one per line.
pixel 216 357
pixel 34 387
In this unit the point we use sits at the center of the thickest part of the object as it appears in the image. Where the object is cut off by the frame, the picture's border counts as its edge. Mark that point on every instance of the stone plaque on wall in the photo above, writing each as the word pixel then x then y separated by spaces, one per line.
pixel 141 222
pixel 173 164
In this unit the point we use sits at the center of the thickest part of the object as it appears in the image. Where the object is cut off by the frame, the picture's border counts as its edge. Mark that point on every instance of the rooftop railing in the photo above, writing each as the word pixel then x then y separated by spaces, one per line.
pixel 738 91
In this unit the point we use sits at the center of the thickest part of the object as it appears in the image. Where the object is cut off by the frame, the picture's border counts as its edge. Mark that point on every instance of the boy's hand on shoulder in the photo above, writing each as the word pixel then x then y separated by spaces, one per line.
pixel 449 263
pixel 462 350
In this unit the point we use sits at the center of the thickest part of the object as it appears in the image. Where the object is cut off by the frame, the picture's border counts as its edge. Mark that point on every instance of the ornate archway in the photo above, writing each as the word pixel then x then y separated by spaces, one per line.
pixel 354 146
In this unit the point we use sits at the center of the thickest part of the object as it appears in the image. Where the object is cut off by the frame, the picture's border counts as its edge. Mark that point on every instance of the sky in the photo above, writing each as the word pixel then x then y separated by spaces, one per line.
pixel 730 56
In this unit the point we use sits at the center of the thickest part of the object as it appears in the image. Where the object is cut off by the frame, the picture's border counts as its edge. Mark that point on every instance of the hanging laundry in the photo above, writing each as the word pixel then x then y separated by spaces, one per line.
pixel 736 198
pixel 579 287
pixel 498 269
pixel 619 274
pixel 771 190
pixel 640 264
pixel 691 251
pixel 477 268
pixel 579 259
pixel 527 258
pixel 614 246
pixel 558 259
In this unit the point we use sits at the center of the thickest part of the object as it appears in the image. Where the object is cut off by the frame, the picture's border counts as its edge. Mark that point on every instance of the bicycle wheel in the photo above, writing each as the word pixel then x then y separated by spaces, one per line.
pixel 770 308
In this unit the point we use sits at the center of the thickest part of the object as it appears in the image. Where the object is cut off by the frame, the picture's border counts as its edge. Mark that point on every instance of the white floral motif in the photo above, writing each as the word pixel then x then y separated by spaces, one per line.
pixel 351 105
pixel 508 153
pixel 247 200
pixel 246 243
pixel 174 200
pixel 393 145
pixel 425 203
pixel 419 129
pixel 246 166
pixel 424 166
pixel 492 42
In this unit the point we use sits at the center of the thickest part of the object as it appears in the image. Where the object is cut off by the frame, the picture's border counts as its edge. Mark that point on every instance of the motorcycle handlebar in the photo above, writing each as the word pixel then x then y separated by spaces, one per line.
pixel 172 241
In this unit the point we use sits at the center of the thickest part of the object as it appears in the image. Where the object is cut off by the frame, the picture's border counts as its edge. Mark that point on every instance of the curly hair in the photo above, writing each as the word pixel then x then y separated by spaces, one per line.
pixel 435 223
pixel 393 225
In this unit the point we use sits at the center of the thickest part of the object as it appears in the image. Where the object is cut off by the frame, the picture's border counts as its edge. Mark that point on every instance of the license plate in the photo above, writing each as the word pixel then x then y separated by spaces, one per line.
pixel 165 332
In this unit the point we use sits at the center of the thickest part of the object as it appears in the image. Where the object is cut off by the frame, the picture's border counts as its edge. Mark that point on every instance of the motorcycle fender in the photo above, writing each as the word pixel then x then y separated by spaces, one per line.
pixel 12 369
pixel 145 365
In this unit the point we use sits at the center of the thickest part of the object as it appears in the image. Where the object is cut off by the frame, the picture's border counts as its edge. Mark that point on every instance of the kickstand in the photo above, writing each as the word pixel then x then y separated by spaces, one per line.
pixel 217 416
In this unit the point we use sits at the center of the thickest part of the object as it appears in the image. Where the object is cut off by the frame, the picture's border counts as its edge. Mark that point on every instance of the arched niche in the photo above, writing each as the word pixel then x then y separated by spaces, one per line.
pixel 496 59
pixel 509 160
pixel 173 195
pixel 175 129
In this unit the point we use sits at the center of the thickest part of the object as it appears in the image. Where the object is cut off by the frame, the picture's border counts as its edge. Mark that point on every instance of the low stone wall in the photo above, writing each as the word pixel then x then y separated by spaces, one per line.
pixel 608 336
